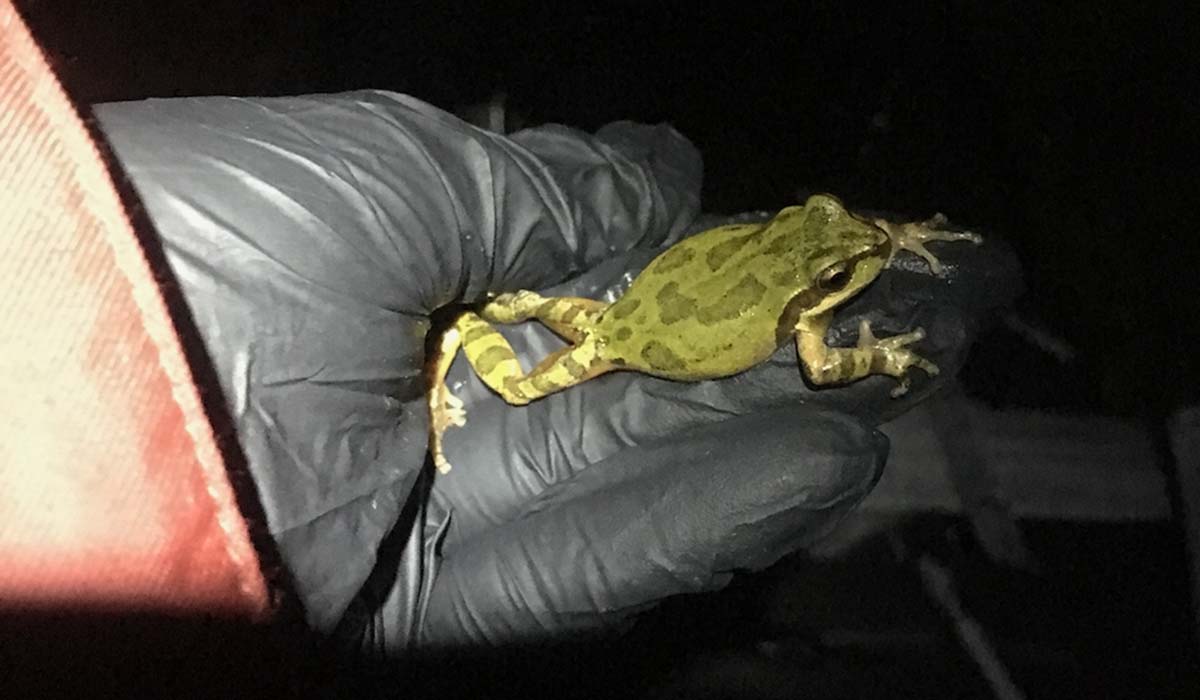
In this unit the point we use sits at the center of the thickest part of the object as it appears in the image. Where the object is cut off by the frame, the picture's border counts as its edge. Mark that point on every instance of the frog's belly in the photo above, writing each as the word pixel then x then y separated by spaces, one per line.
pixel 693 356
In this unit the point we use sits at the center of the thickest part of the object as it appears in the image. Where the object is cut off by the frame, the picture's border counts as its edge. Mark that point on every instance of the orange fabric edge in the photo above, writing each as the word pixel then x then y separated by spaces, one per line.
pixel 162 573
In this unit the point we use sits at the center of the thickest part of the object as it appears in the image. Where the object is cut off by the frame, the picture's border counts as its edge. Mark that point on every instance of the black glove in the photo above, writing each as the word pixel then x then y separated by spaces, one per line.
pixel 312 237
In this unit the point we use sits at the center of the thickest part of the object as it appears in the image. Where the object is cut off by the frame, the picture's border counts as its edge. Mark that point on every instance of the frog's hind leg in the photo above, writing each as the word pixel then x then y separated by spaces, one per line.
pixel 568 317
pixel 496 364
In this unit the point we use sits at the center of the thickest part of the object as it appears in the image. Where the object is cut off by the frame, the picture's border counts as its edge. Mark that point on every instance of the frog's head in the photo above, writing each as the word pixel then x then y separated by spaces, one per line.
pixel 835 252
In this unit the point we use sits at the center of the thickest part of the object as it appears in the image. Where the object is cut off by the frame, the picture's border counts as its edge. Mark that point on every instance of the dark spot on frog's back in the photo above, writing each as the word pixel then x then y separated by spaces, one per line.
pixel 674 259
pixel 740 298
pixel 623 333
pixel 826 251
pixel 817 216
pixel 661 357
pixel 624 307
pixel 723 251
pixel 778 246
pixel 785 277
pixel 674 306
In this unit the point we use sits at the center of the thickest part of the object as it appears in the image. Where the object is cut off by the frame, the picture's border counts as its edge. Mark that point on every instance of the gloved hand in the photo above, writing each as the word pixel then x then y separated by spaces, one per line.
pixel 312 237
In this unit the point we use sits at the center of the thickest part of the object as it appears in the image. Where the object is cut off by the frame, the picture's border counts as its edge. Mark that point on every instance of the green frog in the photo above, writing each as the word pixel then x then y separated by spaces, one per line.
pixel 713 305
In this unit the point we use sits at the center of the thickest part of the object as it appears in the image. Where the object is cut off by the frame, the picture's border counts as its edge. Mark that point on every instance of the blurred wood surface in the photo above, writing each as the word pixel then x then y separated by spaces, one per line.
pixel 1043 465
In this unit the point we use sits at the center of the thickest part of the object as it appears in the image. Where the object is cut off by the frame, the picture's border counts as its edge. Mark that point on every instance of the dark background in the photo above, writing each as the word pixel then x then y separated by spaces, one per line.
pixel 1067 129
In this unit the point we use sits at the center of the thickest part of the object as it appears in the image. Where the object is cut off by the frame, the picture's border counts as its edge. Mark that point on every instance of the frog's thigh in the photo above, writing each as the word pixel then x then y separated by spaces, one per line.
pixel 571 317
pixel 568 317
pixel 496 364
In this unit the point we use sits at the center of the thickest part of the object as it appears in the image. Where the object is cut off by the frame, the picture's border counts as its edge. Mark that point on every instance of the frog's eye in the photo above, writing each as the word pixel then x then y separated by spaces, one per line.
pixel 834 277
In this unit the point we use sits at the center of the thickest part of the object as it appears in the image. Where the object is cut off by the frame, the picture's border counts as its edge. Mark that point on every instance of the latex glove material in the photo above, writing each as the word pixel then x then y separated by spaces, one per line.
pixel 677 515
pixel 312 236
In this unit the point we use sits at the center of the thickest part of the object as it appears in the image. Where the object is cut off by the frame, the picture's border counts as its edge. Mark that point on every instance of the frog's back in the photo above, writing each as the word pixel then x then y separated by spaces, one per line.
pixel 707 307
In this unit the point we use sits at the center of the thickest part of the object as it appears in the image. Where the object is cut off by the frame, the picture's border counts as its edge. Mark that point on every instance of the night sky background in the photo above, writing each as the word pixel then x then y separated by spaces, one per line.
pixel 1068 129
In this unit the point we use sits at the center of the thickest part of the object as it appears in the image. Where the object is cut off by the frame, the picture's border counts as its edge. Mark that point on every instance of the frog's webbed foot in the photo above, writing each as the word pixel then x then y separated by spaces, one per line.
pixel 914 235
pixel 445 410
pixel 892 357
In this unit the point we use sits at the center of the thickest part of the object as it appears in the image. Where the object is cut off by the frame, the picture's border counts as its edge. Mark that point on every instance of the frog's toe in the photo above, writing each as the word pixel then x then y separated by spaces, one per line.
pixel 446 410
pixel 890 345
pixel 456 417
pixel 896 342
pixel 925 366
pixel 441 463
pixel 915 243
pixel 866 338
pixel 913 237
pixel 936 221
pixel 908 362
pixel 452 417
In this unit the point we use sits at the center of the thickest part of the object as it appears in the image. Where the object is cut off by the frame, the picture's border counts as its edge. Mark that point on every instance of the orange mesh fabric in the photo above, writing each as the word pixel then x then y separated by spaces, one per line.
pixel 112 492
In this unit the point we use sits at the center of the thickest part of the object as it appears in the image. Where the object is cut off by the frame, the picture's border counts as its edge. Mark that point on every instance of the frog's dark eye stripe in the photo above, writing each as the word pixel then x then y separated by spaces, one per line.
pixel 834 277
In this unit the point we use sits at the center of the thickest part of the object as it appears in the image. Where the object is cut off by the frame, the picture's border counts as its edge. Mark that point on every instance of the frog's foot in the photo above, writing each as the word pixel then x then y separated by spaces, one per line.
pixel 914 235
pixel 445 410
pixel 892 357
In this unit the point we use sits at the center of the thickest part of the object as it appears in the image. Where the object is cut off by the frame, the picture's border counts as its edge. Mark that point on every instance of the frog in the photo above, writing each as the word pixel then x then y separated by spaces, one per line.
pixel 713 305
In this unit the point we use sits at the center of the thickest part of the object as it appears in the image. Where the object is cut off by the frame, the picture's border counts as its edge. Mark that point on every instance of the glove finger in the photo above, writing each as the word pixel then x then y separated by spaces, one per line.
pixel 654 520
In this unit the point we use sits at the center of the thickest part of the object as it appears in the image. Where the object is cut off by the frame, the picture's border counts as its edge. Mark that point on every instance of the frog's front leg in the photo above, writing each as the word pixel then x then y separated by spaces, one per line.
pixel 889 356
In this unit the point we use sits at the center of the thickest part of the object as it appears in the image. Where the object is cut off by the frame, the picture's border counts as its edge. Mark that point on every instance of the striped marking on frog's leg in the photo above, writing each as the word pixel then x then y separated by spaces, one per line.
pixel 888 356
pixel 496 364
pixel 569 317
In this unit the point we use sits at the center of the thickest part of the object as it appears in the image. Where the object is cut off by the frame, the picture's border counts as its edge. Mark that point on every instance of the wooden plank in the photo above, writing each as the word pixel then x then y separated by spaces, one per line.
pixel 1043 465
